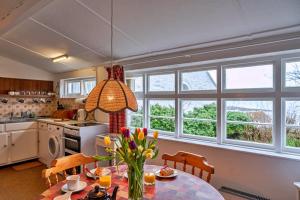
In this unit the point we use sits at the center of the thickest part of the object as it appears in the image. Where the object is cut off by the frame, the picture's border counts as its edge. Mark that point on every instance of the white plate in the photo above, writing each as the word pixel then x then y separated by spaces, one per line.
pixel 170 176
pixel 82 185
pixel 125 175
pixel 105 171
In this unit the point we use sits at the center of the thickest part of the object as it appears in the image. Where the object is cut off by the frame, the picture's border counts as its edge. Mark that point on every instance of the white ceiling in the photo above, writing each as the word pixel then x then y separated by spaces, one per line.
pixel 81 28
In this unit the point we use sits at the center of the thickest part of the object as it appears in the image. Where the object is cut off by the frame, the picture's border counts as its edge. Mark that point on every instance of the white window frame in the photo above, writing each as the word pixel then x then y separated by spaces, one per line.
pixel 247 90
pixel 181 134
pixel 134 114
pixel 196 91
pixel 149 116
pixel 160 92
pixel 286 148
pixel 284 88
pixel 65 82
pixel 277 94
pixel 248 143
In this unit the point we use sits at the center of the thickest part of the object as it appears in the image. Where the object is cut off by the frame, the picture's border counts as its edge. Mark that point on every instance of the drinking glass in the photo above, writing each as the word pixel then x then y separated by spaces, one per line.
pixel 105 180
pixel 149 178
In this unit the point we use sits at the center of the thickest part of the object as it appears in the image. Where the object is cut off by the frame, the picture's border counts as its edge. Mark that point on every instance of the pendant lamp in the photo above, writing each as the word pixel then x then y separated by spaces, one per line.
pixel 111 95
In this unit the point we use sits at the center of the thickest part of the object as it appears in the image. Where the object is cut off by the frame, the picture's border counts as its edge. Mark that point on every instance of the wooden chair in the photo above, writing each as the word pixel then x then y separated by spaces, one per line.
pixel 193 160
pixel 66 163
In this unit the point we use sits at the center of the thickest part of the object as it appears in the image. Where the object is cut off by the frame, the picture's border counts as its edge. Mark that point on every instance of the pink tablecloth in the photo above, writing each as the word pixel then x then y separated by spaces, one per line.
pixel 184 186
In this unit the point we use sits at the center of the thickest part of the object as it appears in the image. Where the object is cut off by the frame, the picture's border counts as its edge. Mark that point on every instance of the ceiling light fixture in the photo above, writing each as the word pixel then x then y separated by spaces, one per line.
pixel 60 58
pixel 111 95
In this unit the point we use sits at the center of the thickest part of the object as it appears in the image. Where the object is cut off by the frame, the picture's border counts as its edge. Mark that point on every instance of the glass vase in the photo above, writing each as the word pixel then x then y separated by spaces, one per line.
pixel 135 183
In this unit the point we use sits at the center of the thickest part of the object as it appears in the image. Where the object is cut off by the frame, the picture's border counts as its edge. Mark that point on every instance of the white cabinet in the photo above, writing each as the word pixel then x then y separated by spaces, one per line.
pixel 4 148
pixel 43 142
pixel 24 144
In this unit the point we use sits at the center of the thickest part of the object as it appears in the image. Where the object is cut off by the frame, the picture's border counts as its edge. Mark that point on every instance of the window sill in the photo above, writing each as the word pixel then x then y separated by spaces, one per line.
pixel 231 147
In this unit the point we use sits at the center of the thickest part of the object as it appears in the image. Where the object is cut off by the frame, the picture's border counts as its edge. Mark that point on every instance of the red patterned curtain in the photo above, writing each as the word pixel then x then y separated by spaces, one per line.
pixel 116 120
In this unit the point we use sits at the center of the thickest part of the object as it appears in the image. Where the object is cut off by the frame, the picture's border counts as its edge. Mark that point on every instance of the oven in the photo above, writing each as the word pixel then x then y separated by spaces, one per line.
pixel 72 144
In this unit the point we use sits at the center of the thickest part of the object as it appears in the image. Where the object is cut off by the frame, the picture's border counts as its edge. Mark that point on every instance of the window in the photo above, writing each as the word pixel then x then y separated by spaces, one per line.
pixel 162 115
pixel 292 74
pixel 88 85
pixel 251 77
pixel 249 120
pixel 135 83
pixel 199 80
pixel 229 103
pixel 136 119
pixel 199 118
pixel 162 82
pixel 75 88
pixel 292 124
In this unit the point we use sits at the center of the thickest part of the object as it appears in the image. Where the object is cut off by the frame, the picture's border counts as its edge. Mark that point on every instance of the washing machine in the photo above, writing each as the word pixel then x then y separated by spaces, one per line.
pixel 51 143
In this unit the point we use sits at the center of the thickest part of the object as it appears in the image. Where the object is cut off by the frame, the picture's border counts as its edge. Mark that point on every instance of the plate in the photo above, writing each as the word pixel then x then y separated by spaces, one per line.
pixel 125 175
pixel 105 171
pixel 81 187
pixel 170 176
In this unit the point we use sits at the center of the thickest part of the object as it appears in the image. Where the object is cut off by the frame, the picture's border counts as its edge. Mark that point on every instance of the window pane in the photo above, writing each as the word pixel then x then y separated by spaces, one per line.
pixel 164 82
pixel 292 74
pixel 135 83
pixel 199 80
pixel 249 121
pixel 135 119
pixel 199 118
pixel 292 120
pixel 74 87
pixel 162 115
pixel 249 77
pixel 88 86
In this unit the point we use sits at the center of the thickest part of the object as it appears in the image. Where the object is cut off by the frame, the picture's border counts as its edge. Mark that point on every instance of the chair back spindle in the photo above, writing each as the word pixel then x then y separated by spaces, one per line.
pixel 60 165
pixel 190 159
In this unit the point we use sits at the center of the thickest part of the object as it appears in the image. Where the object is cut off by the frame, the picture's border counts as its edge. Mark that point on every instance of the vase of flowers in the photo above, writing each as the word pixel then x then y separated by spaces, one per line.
pixel 133 149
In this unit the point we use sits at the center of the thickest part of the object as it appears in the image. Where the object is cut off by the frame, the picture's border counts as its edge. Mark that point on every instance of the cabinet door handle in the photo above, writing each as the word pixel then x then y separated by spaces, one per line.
pixel 5 146
pixel 12 144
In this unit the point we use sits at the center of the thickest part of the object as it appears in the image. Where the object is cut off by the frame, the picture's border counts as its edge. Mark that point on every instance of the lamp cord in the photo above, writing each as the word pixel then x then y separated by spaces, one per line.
pixel 111 32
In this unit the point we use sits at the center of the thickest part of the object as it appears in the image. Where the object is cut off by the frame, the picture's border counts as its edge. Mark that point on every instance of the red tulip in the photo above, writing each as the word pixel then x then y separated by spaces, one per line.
pixel 145 131
pixel 123 130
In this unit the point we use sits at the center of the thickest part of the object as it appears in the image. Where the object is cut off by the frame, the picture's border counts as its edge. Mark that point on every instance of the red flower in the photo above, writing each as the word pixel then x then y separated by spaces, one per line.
pixel 145 131
pixel 138 130
pixel 123 130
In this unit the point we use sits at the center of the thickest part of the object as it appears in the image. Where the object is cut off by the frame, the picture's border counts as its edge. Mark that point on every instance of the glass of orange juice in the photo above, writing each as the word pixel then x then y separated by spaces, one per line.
pixel 149 178
pixel 105 179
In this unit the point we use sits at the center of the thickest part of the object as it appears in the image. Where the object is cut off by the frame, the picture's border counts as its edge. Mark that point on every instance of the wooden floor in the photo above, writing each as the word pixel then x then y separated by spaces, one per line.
pixel 26 184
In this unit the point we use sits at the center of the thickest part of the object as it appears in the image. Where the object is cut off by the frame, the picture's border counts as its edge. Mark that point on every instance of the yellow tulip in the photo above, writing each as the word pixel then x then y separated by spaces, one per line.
pixel 149 151
pixel 131 137
pixel 148 155
pixel 141 135
pixel 107 140
pixel 140 148
pixel 155 134
pixel 129 150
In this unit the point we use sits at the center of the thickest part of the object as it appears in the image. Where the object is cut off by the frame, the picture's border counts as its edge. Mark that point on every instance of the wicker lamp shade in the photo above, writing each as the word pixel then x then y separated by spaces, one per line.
pixel 111 96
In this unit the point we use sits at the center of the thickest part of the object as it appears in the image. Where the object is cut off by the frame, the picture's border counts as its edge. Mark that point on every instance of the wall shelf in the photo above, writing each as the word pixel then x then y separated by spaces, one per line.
pixel 26 96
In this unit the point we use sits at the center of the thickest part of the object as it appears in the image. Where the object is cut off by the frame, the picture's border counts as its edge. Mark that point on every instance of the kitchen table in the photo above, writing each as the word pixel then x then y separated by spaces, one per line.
pixel 184 186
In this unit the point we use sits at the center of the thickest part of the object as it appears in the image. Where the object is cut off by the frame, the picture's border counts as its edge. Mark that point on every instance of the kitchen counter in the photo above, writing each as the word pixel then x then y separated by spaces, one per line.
pixel 55 122
pixel 18 120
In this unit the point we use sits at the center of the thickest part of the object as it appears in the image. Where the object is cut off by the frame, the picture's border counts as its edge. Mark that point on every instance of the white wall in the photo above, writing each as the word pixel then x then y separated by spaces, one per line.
pixel 267 176
pixel 14 69
pixel 81 73
pixel 101 75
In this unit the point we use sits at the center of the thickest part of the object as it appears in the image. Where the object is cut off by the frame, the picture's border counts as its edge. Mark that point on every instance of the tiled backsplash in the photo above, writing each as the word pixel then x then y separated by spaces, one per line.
pixel 40 109
pixel 69 103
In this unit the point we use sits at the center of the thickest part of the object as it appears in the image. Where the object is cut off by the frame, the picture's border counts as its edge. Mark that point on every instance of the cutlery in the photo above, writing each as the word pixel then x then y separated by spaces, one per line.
pixel 92 174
